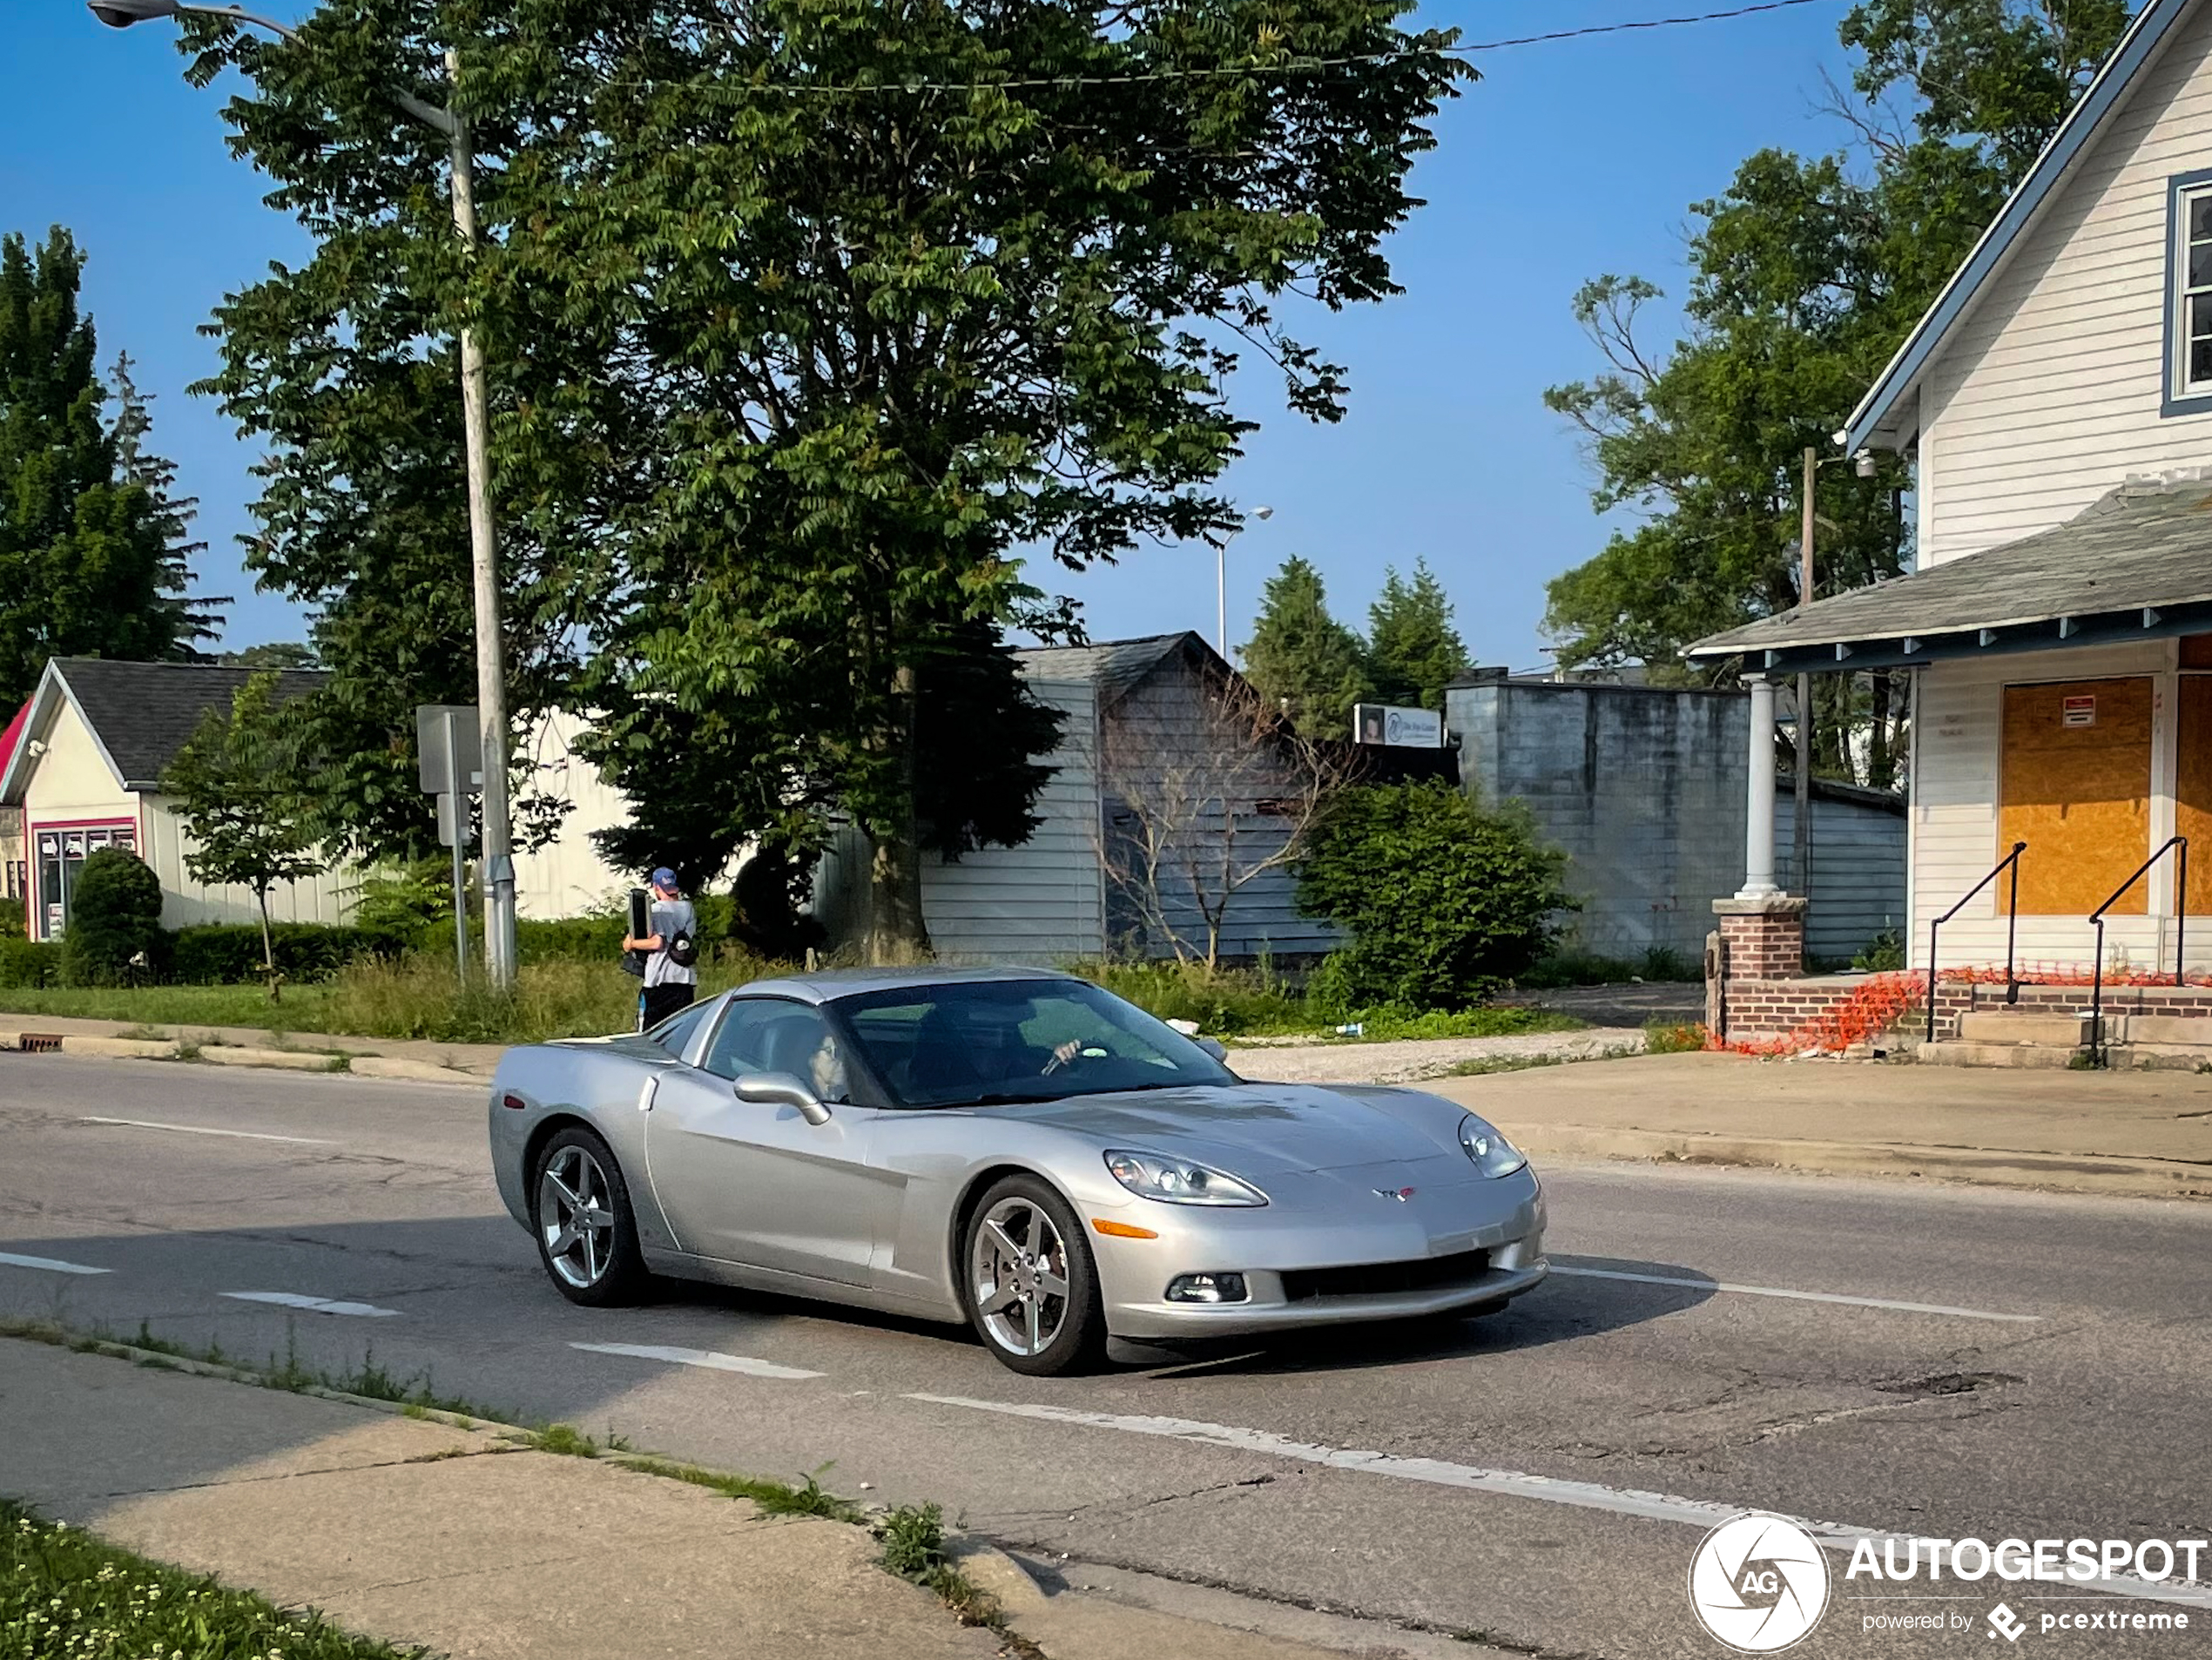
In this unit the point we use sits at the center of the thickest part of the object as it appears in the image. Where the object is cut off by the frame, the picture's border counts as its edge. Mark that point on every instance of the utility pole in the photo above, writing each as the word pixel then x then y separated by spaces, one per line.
pixel 484 558
pixel 1801 827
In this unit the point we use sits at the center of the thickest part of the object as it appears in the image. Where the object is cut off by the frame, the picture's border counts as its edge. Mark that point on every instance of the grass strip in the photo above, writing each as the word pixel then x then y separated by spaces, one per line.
pixel 912 1536
pixel 64 1592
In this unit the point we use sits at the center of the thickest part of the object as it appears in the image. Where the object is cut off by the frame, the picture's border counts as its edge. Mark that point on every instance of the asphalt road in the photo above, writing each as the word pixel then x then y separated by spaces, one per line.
pixel 2049 1381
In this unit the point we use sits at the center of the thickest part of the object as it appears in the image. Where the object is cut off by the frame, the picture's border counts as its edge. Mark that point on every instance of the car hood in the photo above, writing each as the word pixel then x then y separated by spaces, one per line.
pixel 1257 1129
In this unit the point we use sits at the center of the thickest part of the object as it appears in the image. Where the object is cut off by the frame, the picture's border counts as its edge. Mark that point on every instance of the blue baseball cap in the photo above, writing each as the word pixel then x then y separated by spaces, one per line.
pixel 665 878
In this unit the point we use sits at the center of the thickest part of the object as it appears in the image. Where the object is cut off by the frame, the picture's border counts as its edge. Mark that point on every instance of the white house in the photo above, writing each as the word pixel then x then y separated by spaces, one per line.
pixel 2057 404
pixel 86 772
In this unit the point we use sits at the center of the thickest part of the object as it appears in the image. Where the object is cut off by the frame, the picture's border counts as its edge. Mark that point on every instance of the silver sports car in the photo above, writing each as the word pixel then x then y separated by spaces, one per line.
pixel 1012 1148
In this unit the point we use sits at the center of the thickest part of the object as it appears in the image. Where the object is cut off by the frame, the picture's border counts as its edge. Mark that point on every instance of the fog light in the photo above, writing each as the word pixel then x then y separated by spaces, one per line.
pixel 1207 1288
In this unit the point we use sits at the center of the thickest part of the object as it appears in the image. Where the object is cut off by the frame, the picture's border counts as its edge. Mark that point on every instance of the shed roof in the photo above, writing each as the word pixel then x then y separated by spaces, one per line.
pixel 2136 564
pixel 1116 667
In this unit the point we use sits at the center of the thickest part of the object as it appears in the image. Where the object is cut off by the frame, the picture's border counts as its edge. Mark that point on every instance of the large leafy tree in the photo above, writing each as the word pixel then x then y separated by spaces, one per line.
pixel 1414 650
pixel 1303 660
pixel 1805 273
pixel 93 560
pixel 806 317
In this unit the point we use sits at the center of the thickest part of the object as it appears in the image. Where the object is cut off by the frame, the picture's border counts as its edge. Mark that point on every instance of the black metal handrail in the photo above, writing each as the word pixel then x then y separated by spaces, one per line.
pixel 2011 861
pixel 2180 937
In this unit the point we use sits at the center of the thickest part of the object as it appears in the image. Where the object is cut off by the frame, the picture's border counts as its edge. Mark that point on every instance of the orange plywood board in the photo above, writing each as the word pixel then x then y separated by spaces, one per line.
pixel 2076 786
pixel 2193 788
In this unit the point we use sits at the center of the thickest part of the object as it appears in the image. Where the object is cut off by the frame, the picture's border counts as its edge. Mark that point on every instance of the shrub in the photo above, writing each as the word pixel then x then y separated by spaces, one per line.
pixel 1222 1001
pixel 11 916
pixel 26 963
pixel 1443 901
pixel 114 936
pixel 229 953
pixel 1885 954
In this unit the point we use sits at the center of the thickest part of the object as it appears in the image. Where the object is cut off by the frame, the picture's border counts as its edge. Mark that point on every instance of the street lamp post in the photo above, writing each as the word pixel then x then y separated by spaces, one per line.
pixel 1221 581
pixel 483 535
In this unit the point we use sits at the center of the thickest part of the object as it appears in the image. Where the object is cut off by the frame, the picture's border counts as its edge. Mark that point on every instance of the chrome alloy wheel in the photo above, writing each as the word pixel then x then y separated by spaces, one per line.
pixel 1017 1272
pixel 575 1217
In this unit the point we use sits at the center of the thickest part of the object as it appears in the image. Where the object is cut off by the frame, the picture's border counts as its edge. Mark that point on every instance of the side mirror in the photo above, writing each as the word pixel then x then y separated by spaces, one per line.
pixel 782 1089
pixel 1213 1046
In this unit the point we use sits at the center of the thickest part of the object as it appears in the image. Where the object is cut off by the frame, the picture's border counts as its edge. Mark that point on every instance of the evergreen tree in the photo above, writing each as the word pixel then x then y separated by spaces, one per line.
pixel 1303 660
pixel 91 555
pixel 1413 650
pixel 193 620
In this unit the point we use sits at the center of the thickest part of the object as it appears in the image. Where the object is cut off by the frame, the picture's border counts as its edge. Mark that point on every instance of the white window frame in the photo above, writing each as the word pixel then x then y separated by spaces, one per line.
pixel 2181 387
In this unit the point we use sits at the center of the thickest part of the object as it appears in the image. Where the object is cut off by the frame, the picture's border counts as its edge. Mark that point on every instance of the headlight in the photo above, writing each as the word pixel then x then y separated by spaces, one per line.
pixel 1493 1154
pixel 1174 1182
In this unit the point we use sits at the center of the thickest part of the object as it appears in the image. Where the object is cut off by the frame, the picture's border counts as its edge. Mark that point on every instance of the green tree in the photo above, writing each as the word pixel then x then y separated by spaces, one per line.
pixel 1806 273
pixel 92 558
pixel 1304 661
pixel 114 936
pixel 804 320
pixel 243 788
pixel 275 654
pixel 1444 901
pixel 1413 651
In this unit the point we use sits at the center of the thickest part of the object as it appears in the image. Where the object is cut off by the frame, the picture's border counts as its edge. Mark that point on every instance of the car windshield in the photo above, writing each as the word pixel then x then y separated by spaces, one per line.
pixel 983 1043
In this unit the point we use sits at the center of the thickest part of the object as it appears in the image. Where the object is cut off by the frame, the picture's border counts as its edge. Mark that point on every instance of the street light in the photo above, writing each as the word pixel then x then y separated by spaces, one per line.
pixel 483 539
pixel 1221 581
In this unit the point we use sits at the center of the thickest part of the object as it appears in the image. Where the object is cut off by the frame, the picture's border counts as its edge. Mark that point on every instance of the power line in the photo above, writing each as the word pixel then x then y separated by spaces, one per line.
pixel 1305 66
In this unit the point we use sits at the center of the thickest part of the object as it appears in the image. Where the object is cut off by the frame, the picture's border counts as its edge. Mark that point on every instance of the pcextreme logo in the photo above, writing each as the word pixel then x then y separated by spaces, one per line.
pixel 1758 1583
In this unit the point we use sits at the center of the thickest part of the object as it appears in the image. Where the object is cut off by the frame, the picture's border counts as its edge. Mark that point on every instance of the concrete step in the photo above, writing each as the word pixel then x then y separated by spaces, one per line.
pixel 1954 1052
pixel 2164 1028
pixel 2020 1026
pixel 2161 1057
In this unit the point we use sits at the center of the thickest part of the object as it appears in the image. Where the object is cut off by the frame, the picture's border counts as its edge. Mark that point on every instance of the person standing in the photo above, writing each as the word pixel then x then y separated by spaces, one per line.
pixel 671 951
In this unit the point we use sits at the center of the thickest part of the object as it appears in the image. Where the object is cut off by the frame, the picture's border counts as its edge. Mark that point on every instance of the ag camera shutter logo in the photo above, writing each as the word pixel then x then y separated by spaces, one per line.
pixel 1758 1583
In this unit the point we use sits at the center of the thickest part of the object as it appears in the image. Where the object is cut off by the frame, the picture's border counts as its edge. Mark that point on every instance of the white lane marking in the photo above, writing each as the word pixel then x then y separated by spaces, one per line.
pixel 1588 1496
pixel 706 1357
pixel 1795 1296
pixel 313 1305
pixel 198 1130
pixel 50 1265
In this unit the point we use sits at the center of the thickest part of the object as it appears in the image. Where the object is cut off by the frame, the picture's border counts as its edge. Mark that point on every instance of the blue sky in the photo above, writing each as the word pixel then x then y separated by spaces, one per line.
pixel 1564 161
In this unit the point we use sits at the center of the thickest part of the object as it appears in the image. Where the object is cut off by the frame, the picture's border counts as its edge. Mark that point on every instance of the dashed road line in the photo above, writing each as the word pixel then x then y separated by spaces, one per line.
pixel 312 1305
pixel 201 1129
pixel 1587 1495
pixel 1794 1296
pixel 48 1264
pixel 706 1357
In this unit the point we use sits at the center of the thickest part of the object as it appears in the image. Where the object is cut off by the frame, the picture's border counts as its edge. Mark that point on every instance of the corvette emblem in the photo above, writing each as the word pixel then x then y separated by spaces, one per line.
pixel 1401 1194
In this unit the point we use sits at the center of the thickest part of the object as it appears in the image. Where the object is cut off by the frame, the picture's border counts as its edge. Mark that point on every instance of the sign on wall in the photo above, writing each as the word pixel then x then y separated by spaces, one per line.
pixel 2078 710
pixel 1397 728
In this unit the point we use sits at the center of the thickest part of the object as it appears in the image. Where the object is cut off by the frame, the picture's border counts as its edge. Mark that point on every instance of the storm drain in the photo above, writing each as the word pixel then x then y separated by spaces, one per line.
pixel 39 1043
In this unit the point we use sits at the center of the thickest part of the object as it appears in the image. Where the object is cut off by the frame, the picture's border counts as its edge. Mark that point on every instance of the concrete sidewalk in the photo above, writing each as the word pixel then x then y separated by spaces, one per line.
pixel 460 1540
pixel 2138 1133
pixel 472 1063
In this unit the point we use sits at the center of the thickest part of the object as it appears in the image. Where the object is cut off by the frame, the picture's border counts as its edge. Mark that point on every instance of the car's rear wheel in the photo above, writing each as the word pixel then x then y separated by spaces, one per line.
pixel 1030 1282
pixel 587 1234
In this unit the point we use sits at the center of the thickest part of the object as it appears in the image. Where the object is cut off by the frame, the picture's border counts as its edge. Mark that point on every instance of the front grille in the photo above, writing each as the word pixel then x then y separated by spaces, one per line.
pixel 1386 1279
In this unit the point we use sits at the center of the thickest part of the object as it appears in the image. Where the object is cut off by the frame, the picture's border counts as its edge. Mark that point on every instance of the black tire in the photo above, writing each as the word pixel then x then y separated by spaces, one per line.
pixel 599 1266
pixel 1072 1326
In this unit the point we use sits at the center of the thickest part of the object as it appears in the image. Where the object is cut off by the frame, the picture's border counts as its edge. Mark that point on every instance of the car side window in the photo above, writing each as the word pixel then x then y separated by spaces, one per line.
pixel 674 1034
pixel 771 1035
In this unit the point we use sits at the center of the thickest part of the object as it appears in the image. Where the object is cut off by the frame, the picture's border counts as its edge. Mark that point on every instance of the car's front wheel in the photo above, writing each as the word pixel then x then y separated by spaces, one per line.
pixel 1030 1282
pixel 587 1234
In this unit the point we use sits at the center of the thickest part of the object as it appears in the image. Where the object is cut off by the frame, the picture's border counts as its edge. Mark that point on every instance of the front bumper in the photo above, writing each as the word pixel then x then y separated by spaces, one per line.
pixel 1504 1218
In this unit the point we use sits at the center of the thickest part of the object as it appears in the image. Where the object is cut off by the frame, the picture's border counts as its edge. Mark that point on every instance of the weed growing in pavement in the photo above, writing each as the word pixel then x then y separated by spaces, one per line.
pixel 1673 1037
pixel 776 1498
pixel 566 1439
pixel 912 1536
pixel 64 1592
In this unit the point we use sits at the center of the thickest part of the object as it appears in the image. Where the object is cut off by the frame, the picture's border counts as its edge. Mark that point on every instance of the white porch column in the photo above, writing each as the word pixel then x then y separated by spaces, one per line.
pixel 1758 829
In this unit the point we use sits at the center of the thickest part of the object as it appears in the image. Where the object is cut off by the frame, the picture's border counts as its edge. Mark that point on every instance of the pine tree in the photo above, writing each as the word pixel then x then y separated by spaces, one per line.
pixel 1303 660
pixel 194 620
pixel 1413 650
pixel 91 563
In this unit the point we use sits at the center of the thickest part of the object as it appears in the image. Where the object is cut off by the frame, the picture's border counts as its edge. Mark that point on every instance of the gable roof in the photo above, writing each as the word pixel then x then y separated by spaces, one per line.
pixel 1115 667
pixel 140 714
pixel 1887 415
pixel 2135 565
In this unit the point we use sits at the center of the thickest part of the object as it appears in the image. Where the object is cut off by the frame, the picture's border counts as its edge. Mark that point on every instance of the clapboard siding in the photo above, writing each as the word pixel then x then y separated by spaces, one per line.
pixel 2047 394
pixel 1857 871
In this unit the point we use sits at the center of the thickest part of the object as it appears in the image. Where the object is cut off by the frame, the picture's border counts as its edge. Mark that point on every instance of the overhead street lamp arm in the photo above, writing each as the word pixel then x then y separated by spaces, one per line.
pixel 121 13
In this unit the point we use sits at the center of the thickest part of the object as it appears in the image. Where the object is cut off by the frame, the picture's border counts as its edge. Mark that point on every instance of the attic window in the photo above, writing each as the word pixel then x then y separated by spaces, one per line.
pixel 2191 328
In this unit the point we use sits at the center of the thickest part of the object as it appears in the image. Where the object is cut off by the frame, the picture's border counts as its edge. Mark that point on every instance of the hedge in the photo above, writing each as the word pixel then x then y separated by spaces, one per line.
pixel 29 962
pixel 229 953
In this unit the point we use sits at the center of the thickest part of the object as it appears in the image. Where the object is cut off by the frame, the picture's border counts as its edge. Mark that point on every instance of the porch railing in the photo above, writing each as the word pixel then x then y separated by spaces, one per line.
pixel 2178 847
pixel 2011 862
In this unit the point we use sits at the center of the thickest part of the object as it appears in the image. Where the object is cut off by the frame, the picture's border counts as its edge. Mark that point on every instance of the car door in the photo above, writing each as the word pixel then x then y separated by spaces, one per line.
pixel 755 1184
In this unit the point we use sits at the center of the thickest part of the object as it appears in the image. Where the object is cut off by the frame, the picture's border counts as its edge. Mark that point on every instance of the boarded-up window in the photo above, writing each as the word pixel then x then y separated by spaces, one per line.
pixel 2193 788
pixel 2076 788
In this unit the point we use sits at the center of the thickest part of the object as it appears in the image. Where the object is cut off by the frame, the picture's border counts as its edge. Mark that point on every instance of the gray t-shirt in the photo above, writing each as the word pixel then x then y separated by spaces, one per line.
pixel 669 918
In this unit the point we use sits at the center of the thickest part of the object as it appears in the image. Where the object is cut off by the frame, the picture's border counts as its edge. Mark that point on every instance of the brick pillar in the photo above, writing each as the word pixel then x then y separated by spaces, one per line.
pixel 1764 938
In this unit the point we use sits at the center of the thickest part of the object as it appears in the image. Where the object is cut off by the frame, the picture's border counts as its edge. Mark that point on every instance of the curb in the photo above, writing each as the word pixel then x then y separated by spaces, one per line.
pixel 282 1059
pixel 392 1069
pixel 1983 1166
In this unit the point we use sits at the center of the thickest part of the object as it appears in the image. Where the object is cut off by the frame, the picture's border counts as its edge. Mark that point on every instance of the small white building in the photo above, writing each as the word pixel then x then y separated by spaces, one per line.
pixel 86 772
pixel 2057 404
